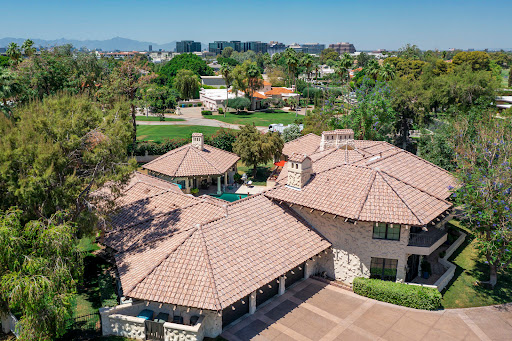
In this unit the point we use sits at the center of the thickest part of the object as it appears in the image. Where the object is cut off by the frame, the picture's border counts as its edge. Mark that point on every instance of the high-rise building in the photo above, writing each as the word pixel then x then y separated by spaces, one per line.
pixel 275 47
pixel 188 46
pixel 313 48
pixel 150 48
pixel 343 47
pixel 217 46
pixel 256 46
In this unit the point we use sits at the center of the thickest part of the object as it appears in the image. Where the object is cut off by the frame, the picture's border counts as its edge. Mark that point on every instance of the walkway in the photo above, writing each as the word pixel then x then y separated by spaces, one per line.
pixel 315 311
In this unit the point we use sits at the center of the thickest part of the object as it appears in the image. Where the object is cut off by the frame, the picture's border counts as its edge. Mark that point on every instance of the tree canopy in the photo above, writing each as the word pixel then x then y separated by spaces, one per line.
pixel 184 61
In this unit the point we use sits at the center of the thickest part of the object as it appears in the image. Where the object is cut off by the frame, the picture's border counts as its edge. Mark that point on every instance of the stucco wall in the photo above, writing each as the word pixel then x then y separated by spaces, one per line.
pixel 211 325
pixel 353 247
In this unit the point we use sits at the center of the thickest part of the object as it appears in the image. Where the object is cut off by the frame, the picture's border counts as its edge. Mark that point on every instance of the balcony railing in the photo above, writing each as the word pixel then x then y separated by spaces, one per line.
pixel 426 238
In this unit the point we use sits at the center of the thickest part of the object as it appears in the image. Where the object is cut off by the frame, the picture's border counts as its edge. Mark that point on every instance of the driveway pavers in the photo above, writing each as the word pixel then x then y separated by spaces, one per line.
pixel 313 310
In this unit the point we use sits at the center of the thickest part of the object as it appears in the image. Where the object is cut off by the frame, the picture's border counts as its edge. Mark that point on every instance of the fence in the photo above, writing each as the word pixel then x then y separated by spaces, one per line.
pixel 83 327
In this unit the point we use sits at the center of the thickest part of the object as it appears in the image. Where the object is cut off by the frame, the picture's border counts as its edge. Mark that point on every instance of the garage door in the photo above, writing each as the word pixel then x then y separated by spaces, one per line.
pixel 229 315
pixel 294 275
pixel 265 292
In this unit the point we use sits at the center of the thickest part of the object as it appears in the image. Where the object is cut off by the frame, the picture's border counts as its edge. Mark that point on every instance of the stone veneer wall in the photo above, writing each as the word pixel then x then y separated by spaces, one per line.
pixel 211 324
pixel 353 247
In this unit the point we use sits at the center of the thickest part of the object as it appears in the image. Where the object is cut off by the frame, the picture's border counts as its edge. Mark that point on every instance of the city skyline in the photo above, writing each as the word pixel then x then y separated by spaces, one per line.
pixel 372 25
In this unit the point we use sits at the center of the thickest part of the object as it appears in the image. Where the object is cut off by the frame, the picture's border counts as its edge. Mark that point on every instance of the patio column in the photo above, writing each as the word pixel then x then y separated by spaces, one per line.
pixel 187 185
pixel 419 267
pixel 226 179
pixel 306 270
pixel 282 286
pixel 218 186
pixel 252 302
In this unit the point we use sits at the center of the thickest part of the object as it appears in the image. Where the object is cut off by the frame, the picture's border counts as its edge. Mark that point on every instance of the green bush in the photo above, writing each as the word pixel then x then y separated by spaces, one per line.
pixel 220 111
pixel 411 296
pixel 206 112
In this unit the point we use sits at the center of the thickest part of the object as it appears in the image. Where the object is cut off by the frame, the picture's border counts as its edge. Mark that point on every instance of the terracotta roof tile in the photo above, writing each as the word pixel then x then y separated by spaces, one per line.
pixel 190 161
pixel 307 144
pixel 278 91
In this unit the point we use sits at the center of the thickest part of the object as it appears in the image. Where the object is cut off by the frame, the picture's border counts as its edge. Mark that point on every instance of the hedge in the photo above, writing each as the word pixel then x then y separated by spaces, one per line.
pixel 412 296
pixel 206 112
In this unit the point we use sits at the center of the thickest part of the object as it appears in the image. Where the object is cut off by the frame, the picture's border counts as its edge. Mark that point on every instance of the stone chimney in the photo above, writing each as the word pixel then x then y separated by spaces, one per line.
pixel 339 138
pixel 300 169
pixel 198 140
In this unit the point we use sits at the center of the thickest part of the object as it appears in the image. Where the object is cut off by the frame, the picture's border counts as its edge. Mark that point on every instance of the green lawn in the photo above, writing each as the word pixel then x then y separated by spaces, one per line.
pixel 155 118
pixel 159 133
pixel 262 173
pixel 98 288
pixel 464 291
pixel 258 118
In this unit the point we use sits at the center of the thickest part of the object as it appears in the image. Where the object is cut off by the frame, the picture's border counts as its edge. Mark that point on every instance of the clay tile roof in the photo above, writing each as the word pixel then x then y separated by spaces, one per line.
pixel 297 157
pixel 362 193
pixel 139 186
pixel 278 91
pixel 256 94
pixel 339 131
pixel 190 262
pixel 267 83
pixel 308 144
pixel 197 134
pixel 190 161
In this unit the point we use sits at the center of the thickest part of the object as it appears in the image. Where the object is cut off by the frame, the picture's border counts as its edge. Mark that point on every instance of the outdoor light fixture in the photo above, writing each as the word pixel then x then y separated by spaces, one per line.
pixel 243 302
pixel 233 307
pixel 261 291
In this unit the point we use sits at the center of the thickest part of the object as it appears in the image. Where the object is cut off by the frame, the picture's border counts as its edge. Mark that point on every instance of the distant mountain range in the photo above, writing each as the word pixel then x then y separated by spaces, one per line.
pixel 117 43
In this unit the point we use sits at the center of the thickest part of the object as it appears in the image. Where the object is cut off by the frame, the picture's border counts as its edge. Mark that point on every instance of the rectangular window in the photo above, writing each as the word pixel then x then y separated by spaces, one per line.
pixel 386 231
pixel 383 268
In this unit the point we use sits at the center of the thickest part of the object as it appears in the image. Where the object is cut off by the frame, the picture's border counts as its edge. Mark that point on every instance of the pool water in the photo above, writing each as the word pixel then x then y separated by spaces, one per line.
pixel 229 196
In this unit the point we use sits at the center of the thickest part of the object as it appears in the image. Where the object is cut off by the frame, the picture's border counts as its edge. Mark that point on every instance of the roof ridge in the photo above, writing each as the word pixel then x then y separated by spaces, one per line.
pixel 210 267
pixel 419 189
pixel 372 181
pixel 155 178
pixel 398 195
pixel 371 162
pixel 163 259
pixel 170 152
pixel 205 159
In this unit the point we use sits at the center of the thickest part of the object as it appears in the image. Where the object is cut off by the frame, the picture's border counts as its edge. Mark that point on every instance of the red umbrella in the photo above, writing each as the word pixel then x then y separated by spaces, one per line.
pixel 280 163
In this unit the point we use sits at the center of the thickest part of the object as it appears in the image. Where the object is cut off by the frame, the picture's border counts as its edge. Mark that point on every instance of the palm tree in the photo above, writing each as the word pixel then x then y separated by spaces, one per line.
pixel 387 72
pixel 292 62
pixel 14 53
pixel 226 72
pixel 254 81
pixel 373 68
pixel 347 61
pixel 308 62
pixel 340 70
pixel 28 47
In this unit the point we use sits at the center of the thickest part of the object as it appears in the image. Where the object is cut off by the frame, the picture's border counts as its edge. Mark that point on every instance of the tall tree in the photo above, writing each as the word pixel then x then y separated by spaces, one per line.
pixel 292 63
pixel 125 80
pixel 14 53
pixel 39 267
pixel 226 72
pixel 254 81
pixel 187 83
pixel 59 149
pixel 28 48
pixel 254 147
pixel 9 88
pixel 387 72
pixel 485 192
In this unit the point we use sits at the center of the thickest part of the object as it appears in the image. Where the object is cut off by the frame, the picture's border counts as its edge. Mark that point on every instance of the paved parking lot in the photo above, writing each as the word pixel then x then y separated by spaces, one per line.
pixel 316 311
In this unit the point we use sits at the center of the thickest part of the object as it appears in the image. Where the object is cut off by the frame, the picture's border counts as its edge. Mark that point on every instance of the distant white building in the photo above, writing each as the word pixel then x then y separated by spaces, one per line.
pixel 279 128
pixel 214 98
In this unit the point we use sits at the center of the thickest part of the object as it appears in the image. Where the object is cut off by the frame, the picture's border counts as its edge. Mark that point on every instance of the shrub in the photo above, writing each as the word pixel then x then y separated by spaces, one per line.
pixel 411 296
pixel 238 178
pixel 206 112
pixel 220 111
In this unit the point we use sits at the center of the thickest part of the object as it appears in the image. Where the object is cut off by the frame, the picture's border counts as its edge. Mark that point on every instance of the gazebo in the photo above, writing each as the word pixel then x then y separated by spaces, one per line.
pixel 195 165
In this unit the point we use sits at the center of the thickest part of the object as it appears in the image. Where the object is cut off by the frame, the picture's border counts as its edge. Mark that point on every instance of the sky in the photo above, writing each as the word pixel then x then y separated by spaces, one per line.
pixel 367 24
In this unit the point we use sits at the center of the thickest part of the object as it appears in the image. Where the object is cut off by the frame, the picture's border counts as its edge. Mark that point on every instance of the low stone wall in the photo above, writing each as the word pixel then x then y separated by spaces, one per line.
pixel 127 326
pixel 178 332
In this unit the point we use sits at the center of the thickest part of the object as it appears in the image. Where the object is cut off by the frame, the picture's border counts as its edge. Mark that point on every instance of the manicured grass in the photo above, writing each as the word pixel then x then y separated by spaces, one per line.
pixel 262 173
pixel 98 287
pixel 155 118
pixel 161 132
pixel 504 77
pixel 258 118
pixel 464 290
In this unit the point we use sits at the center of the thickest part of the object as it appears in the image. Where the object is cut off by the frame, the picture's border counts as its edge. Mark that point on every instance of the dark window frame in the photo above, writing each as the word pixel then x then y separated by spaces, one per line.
pixel 387 264
pixel 387 231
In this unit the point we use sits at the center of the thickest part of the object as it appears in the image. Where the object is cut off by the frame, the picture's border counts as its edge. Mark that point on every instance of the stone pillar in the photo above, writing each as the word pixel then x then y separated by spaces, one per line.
pixel 187 185
pixel 306 270
pixel 252 302
pixel 226 179
pixel 419 267
pixel 282 287
pixel 218 186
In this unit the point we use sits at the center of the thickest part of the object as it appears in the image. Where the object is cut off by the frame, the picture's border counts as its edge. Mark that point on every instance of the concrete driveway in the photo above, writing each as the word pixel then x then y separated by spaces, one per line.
pixel 313 310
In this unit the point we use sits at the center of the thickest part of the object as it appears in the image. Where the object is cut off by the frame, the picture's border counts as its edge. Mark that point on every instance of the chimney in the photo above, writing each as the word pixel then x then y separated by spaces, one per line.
pixel 339 138
pixel 300 169
pixel 198 140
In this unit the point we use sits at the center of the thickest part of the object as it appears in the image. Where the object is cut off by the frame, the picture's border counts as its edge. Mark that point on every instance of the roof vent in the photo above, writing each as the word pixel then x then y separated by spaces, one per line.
pixel 300 169
pixel 198 140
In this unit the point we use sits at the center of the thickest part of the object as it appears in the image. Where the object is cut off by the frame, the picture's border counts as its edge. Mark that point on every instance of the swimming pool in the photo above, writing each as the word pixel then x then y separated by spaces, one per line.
pixel 229 196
